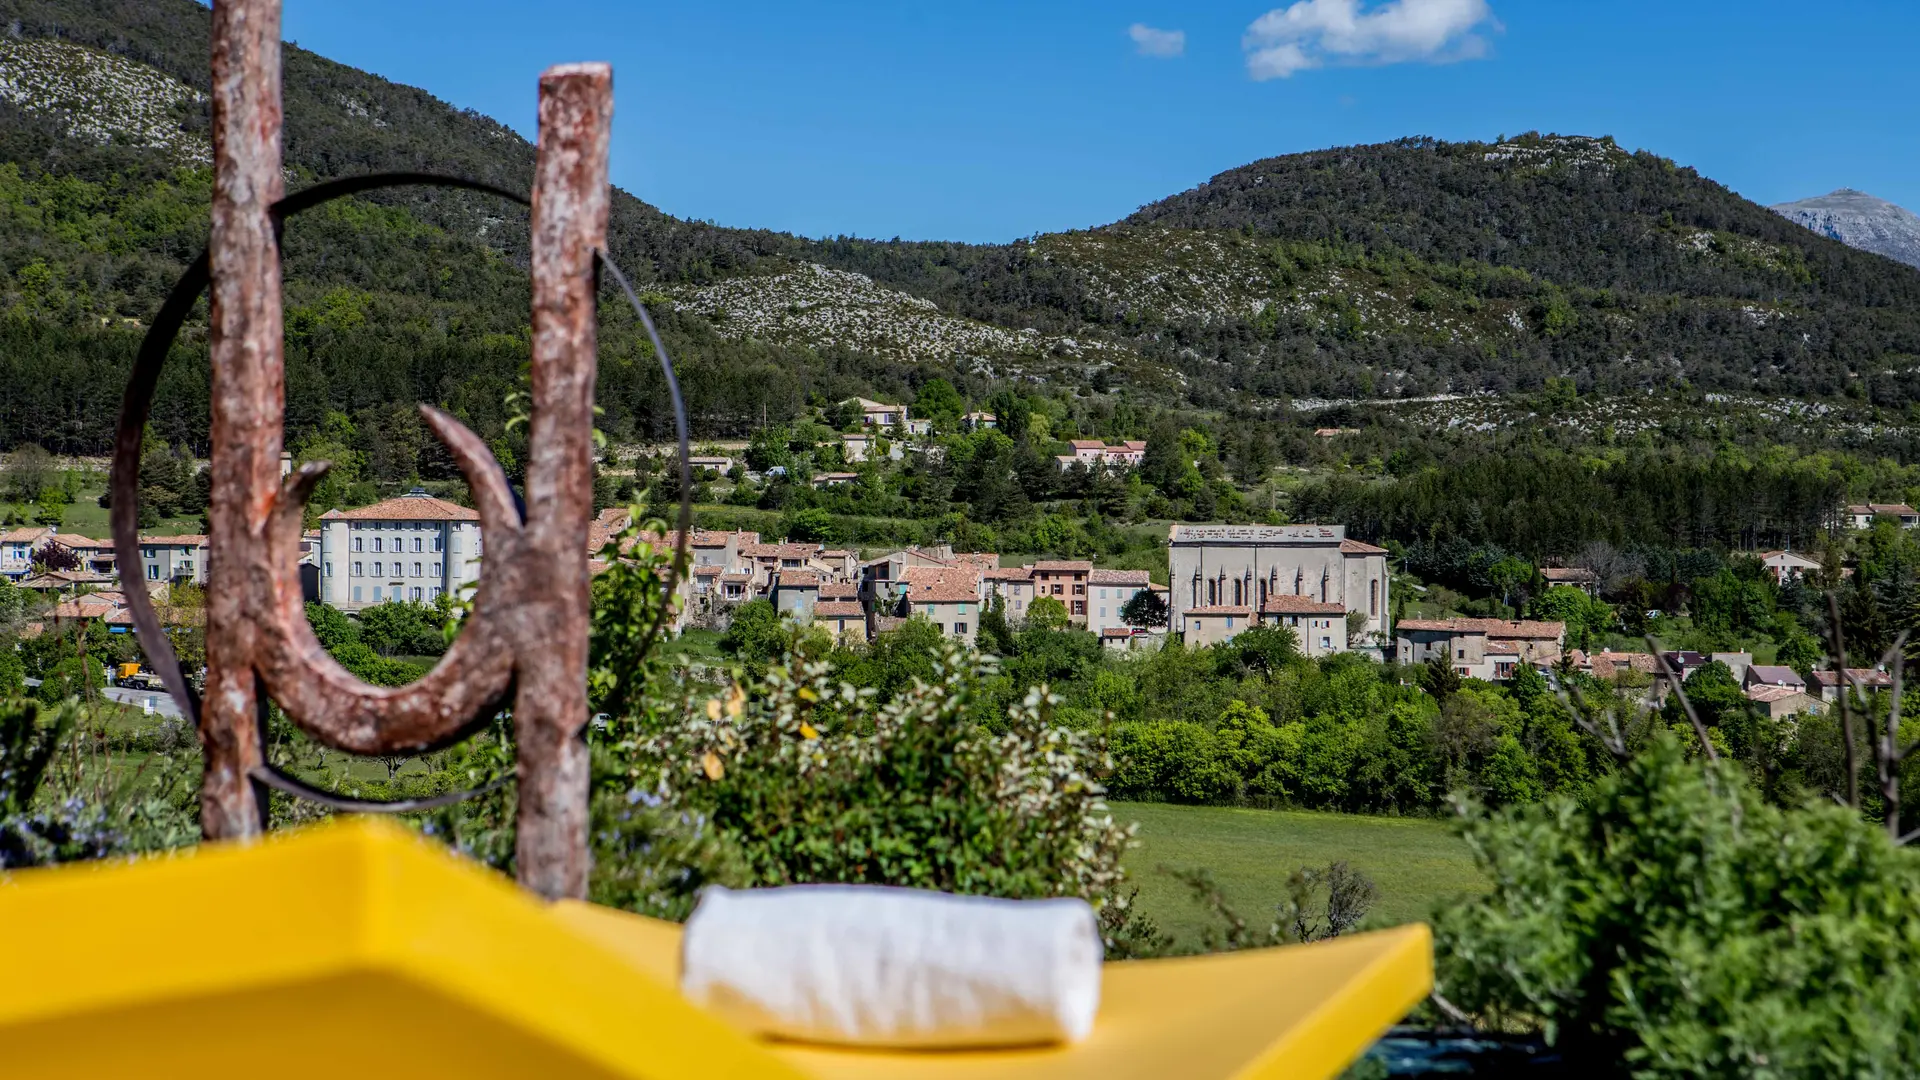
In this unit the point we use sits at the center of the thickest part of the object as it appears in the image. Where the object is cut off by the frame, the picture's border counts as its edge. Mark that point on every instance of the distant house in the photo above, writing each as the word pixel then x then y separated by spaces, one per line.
pixel 1684 662
pixel 96 556
pixel 1788 566
pixel 1014 586
pixel 949 600
pixel 1774 675
pixel 1572 576
pixel 1095 453
pixel 16 550
pixel 1108 591
pixel 1780 702
pixel 881 414
pixel 702 462
pixel 1862 515
pixel 1320 626
pixel 414 547
pixel 175 558
pixel 834 479
pixel 1480 648
pixel 1212 625
pixel 976 421
pixel 841 618
pixel 1066 581
pixel 795 593
pixel 1828 683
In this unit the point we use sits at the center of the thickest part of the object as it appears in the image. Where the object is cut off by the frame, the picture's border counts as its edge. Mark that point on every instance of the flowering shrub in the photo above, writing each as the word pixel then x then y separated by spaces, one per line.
pixel 803 779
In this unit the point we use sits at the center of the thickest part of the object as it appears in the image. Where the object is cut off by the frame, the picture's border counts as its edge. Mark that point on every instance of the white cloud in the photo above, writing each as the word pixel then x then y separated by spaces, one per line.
pixel 1161 43
pixel 1315 33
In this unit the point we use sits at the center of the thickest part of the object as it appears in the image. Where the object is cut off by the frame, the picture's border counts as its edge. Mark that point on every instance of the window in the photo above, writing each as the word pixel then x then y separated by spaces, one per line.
pixel 1058 590
pixel 359 569
pixel 153 572
pixel 436 542
pixel 417 592
pixel 376 594
pixel 329 567
pixel 1103 611
pixel 1460 654
pixel 1326 643
pixel 145 553
pixel 436 569
pixel 356 594
pixel 1229 622
pixel 419 542
pixel 961 610
pixel 378 571
pixel 359 543
pixel 1373 597
pixel 1079 590
pixel 959 628
pixel 1079 607
pixel 433 591
pixel 376 543
pixel 417 573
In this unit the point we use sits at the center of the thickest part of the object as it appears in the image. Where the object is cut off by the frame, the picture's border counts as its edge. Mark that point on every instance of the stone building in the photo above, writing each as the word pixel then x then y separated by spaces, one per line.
pixel 414 547
pixel 1215 567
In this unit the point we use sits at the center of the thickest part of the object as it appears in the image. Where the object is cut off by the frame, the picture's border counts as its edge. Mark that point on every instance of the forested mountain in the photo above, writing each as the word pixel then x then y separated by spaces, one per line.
pixel 1400 270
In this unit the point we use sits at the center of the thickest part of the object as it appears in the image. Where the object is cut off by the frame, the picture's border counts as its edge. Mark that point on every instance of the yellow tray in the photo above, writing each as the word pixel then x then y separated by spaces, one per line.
pixel 357 948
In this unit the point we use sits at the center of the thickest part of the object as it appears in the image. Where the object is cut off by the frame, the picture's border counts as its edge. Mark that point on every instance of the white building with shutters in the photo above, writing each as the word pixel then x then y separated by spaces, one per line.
pixel 415 547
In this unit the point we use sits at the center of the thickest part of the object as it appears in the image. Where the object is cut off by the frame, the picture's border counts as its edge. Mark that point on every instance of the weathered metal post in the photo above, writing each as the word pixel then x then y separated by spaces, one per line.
pixel 570 199
pixel 530 615
pixel 247 396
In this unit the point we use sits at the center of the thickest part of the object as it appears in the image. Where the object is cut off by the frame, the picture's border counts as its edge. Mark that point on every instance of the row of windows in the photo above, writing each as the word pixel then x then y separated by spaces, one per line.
pixel 379 569
pixel 399 543
pixel 398 526
pixel 398 592
pixel 1241 594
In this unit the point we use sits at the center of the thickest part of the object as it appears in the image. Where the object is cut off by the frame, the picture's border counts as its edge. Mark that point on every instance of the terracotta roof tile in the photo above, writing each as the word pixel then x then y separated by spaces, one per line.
pixel 839 609
pixel 839 590
pixel 1063 565
pixel 1358 547
pixel 406 508
pixel 1493 628
pixel 1207 612
pixel 1118 577
pixel 1299 605
pixel 184 540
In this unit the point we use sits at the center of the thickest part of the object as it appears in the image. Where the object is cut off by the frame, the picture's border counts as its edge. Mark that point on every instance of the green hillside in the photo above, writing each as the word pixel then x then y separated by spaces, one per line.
pixel 1403 270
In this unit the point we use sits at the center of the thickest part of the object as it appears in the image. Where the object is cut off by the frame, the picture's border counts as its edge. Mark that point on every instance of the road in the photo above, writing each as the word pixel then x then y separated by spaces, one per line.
pixel 162 702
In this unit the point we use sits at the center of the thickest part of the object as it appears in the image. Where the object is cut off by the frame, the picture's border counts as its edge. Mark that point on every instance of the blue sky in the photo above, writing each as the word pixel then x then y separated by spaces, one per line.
pixel 987 121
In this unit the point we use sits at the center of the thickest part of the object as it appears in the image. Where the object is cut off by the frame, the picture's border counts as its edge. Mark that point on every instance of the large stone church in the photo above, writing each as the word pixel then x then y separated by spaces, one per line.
pixel 1255 568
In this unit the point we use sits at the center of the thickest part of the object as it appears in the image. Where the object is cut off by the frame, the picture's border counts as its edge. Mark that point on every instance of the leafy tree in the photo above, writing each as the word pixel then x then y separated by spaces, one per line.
pixel 1146 609
pixel 938 401
pixel 1047 613
pixel 812 524
pixel 1439 679
pixel 755 635
pixel 402 627
pixel 1266 648
pixel 331 626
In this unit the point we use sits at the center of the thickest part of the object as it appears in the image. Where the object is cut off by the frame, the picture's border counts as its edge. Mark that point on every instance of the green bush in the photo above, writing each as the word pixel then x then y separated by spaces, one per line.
pixel 1674 925
pixel 806 779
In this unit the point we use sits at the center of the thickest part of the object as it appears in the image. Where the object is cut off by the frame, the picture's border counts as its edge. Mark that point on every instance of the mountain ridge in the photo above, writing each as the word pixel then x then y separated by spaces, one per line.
pixel 1859 220
pixel 1395 270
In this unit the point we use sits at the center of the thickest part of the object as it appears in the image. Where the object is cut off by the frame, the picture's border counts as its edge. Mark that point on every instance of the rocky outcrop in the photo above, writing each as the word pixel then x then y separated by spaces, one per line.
pixel 1859 220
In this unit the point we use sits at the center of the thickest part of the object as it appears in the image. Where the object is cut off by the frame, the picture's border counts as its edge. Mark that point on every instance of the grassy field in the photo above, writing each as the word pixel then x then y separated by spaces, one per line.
pixel 1414 862
pixel 86 517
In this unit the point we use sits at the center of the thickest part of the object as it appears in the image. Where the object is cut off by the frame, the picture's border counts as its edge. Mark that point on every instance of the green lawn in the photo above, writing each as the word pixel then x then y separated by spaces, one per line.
pixel 86 517
pixel 1414 861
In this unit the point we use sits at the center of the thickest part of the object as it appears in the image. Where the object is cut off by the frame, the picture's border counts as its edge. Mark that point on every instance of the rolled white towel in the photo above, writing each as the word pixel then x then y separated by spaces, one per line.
pixel 876 966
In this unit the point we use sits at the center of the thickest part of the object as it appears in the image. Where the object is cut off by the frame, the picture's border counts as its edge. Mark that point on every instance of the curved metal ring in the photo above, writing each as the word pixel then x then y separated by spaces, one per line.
pixel 283 781
pixel 136 406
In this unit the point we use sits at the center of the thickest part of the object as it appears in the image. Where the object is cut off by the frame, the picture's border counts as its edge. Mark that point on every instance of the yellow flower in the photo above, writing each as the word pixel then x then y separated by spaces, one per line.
pixel 710 764
pixel 807 731
pixel 713 708
pixel 736 700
